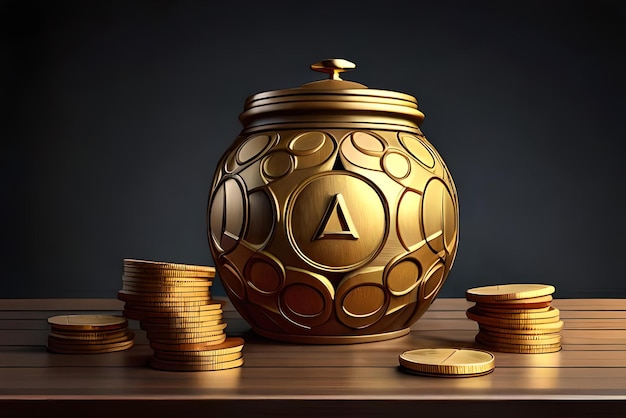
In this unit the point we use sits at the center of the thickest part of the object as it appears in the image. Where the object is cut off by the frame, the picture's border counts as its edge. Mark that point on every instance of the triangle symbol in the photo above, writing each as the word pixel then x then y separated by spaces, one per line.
pixel 336 222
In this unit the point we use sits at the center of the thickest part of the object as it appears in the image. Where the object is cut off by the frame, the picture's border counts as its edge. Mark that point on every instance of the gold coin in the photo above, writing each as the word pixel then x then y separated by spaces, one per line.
pixel 150 305
pixel 139 312
pixel 508 292
pixel 94 350
pixel 138 297
pixel 525 329
pixel 165 306
pixel 176 318
pixel 185 357
pixel 166 277
pixel 511 339
pixel 132 287
pixel 88 335
pixel 448 361
pixel 228 346
pixel 511 311
pixel 87 322
pixel 551 313
pixel 181 318
pixel 201 329
pixel 130 296
pixel 161 265
pixel 154 323
pixel 108 340
pixel 181 366
pixel 152 280
pixel 472 313
pixel 89 348
pixel 212 307
pixel 186 346
pixel 533 303
pixel 165 338
pixel 182 334
pixel 156 326
pixel 520 348
pixel 522 337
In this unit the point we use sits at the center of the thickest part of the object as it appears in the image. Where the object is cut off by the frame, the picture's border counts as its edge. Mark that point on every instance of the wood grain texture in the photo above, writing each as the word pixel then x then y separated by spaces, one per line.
pixel 586 378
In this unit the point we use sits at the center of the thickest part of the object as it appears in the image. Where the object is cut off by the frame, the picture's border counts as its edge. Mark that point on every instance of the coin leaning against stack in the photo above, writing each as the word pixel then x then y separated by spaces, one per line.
pixel 184 325
pixel 89 334
pixel 516 318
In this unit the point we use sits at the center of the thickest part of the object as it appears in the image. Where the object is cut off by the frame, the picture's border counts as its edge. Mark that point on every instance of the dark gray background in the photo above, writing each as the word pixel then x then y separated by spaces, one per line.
pixel 115 114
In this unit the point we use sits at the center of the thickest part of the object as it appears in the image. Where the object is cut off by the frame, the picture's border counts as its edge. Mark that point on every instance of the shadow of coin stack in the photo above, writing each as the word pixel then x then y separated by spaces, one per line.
pixel 516 318
pixel 89 334
pixel 184 326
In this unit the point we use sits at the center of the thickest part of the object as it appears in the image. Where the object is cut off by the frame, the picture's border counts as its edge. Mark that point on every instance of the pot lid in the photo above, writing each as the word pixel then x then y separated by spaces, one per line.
pixel 331 103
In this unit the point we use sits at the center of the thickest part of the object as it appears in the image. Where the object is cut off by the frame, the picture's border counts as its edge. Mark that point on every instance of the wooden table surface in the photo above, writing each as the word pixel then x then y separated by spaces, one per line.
pixel 586 378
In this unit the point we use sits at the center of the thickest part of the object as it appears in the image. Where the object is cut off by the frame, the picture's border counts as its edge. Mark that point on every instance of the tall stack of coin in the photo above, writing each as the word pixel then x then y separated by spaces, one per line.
pixel 516 318
pixel 183 323
pixel 89 334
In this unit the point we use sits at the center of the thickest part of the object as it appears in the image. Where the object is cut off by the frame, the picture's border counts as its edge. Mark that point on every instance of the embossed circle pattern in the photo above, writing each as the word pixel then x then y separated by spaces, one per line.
pixel 307 143
pixel 262 217
pixel 435 203
pixel 362 305
pixel 337 221
pixel 418 149
pixel 277 164
pixel 303 300
pixel 403 277
pixel 227 223
pixel 396 165
pixel 433 280
pixel 409 223
pixel 232 281
pixel 367 143
pixel 264 273
pixel 252 147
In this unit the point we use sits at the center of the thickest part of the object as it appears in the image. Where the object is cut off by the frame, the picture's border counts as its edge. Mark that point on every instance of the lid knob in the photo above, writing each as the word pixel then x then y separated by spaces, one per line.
pixel 333 67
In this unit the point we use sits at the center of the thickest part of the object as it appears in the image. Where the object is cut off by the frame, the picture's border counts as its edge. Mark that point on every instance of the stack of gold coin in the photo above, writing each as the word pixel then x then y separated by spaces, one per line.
pixel 447 362
pixel 516 318
pixel 88 334
pixel 183 323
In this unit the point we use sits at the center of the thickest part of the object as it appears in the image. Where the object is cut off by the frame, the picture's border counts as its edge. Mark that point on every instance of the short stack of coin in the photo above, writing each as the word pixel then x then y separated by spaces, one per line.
pixel 184 325
pixel 516 318
pixel 89 334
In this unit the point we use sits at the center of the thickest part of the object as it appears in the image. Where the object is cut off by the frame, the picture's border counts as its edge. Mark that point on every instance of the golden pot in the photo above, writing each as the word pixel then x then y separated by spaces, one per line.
pixel 331 219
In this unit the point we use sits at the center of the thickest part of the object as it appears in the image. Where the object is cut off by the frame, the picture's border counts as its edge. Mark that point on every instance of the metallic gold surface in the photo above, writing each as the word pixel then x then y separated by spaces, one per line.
pixel 87 322
pixel 331 218
pixel 511 339
pixel 507 292
pixel 518 348
pixel 550 312
pixel 474 314
pixel 90 348
pixel 525 329
pixel 186 366
pixel 187 346
pixel 147 265
pixel 448 361
pixel 333 67
pixel 89 335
